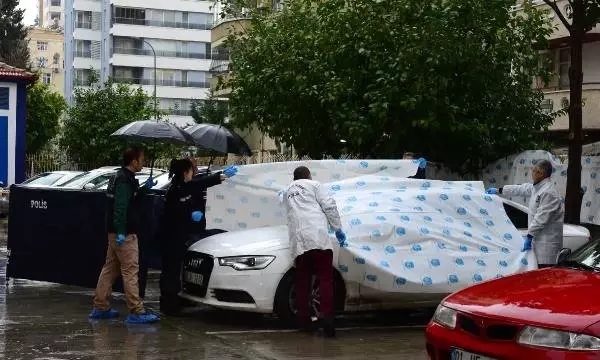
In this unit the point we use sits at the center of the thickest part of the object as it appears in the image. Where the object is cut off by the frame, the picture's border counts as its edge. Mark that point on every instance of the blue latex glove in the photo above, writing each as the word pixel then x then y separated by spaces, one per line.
pixel 150 183
pixel 491 191
pixel 527 243
pixel 120 239
pixel 422 163
pixel 341 238
pixel 197 216
pixel 231 171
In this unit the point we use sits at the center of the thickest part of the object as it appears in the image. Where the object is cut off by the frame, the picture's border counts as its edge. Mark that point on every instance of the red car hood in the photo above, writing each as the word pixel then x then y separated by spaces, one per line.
pixel 556 297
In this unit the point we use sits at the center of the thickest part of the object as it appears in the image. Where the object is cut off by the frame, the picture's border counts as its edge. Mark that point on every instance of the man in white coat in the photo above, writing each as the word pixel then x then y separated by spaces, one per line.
pixel 546 214
pixel 309 211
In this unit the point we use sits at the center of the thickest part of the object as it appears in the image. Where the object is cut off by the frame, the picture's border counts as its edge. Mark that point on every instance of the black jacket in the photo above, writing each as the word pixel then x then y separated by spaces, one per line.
pixel 123 213
pixel 181 200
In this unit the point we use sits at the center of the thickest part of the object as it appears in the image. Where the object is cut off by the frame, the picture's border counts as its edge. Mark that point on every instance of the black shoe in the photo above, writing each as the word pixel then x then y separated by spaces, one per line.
pixel 328 328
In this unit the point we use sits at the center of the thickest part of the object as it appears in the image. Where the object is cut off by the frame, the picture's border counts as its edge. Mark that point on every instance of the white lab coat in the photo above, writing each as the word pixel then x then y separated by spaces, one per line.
pixel 546 217
pixel 309 210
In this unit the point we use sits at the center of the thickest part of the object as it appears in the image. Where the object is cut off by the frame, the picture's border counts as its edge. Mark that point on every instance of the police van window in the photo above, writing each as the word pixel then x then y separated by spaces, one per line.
pixel 518 217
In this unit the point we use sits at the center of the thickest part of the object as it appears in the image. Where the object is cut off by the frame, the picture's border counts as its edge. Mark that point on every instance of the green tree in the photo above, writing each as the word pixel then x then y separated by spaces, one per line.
pixel 580 18
pixel 448 78
pixel 96 113
pixel 209 111
pixel 44 110
pixel 13 35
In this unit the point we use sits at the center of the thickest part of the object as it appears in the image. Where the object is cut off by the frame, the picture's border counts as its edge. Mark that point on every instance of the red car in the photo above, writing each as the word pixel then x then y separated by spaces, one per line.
pixel 552 313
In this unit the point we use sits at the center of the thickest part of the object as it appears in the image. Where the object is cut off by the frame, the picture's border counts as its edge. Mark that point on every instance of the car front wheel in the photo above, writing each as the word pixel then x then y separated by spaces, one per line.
pixel 285 297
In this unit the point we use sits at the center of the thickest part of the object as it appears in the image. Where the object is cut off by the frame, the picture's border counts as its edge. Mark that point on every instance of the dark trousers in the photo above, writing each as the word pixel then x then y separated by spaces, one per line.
pixel 320 264
pixel 170 276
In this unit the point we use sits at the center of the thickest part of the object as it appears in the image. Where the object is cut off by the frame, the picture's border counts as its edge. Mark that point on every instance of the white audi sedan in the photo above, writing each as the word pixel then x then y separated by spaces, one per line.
pixel 252 270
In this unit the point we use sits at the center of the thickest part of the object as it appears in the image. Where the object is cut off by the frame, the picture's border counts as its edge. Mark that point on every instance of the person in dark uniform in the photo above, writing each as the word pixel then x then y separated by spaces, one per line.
pixel 183 222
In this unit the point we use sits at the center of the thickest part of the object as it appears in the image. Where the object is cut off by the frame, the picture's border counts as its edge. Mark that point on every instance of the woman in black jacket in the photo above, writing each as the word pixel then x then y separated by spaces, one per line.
pixel 183 219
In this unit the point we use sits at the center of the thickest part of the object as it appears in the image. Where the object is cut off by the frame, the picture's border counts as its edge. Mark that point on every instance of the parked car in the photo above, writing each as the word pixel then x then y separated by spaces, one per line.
pixel 98 179
pixel 163 181
pixel 51 178
pixel 212 272
pixel 551 313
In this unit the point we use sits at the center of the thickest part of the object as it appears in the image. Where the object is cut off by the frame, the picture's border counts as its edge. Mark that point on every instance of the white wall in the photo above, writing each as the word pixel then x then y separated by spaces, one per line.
pixel 86 63
pixel 87 34
pixel 161 62
pixel 176 92
pixel 161 32
pixel 87 5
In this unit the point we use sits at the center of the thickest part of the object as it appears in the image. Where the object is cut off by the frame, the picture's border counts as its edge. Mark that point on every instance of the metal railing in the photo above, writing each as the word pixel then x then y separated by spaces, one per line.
pixel 82 53
pixel 83 25
pixel 220 55
pixel 177 83
pixel 177 112
pixel 219 66
pixel 147 52
pixel 170 24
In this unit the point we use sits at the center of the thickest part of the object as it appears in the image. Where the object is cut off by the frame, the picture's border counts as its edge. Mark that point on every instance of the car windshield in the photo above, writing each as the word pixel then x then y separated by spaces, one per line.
pixel 97 177
pixel 44 179
pixel 586 258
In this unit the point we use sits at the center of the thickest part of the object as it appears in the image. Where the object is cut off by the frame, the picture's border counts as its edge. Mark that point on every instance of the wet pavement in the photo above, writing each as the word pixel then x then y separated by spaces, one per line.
pixel 49 321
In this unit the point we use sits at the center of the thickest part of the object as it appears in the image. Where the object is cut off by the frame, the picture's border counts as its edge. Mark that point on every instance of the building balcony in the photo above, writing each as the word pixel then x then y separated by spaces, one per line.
pixel 172 54
pixel 556 100
pixel 176 112
pixel 227 26
pixel 218 67
pixel 87 54
pixel 168 24
pixel 175 83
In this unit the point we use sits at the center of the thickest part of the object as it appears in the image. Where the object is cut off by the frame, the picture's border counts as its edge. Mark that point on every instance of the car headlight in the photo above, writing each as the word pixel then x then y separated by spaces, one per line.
pixel 247 262
pixel 445 317
pixel 535 336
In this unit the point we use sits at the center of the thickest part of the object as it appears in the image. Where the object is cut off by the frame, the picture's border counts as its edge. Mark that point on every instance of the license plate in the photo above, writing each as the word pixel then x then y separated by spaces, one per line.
pixel 458 354
pixel 193 278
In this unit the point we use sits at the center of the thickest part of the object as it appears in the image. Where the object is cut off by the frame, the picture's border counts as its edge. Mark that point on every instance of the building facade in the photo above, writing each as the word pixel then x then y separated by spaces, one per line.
pixel 119 38
pixel 557 91
pixel 51 13
pixel 47 56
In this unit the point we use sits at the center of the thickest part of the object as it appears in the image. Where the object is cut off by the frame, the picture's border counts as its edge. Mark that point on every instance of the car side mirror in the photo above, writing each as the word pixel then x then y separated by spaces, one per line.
pixel 563 255
pixel 89 186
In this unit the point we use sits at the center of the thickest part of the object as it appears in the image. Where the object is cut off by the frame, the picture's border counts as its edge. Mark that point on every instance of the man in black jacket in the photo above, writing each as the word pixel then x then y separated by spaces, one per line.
pixel 122 256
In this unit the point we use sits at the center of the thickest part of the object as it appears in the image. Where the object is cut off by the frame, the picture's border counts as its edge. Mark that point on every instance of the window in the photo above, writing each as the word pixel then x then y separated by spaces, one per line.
pixel 547 106
pixel 82 77
pixel 518 217
pixel 55 16
pixel 563 68
pixel 55 2
pixel 84 20
pixel 4 92
pixel 47 78
pixel 42 45
pixel 42 62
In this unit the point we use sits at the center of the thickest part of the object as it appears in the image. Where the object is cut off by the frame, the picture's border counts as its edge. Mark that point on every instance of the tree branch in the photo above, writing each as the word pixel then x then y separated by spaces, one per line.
pixel 563 19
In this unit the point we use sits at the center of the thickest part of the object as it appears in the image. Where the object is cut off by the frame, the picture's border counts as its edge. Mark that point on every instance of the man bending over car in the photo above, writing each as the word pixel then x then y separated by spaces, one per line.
pixel 309 212
pixel 546 213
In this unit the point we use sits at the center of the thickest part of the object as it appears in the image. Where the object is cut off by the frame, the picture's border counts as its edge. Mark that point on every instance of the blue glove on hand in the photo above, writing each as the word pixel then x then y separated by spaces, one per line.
pixel 527 243
pixel 197 216
pixel 231 171
pixel 491 191
pixel 120 240
pixel 422 163
pixel 150 183
pixel 341 238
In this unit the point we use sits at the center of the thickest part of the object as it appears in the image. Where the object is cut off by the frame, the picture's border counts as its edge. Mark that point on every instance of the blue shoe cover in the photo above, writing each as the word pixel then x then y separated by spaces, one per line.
pixel 142 318
pixel 108 314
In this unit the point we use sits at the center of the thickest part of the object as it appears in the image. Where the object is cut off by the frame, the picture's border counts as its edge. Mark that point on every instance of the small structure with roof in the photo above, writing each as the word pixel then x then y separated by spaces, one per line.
pixel 13 92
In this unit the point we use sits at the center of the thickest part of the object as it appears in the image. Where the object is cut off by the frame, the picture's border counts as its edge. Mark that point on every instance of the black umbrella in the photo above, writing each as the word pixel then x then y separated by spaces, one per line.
pixel 156 131
pixel 218 138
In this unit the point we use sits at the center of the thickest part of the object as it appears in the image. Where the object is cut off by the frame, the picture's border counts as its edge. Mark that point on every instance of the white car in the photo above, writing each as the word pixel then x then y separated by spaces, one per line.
pixel 98 179
pixel 213 272
pixel 51 178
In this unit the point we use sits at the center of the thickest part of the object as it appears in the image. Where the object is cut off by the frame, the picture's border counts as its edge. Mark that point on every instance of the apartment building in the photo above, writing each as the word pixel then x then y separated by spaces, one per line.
pixel 557 91
pixel 120 39
pixel 47 56
pixel 51 13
